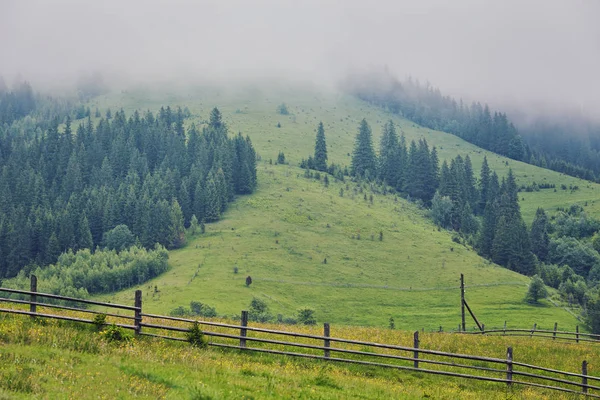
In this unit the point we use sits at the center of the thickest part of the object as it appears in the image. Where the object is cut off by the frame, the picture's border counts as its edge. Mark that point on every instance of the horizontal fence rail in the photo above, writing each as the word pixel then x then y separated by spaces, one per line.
pixel 541 333
pixel 321 347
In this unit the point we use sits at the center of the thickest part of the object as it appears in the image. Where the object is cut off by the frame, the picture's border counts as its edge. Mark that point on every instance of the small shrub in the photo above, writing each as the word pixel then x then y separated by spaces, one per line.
pixel 281 158
pixel 306 316
pixel 100 321
pixel 248 280
pixel 115 334
pixel 282 109
pixel 202 310
pixel 536 291
pixel 179 312
pixel 195 336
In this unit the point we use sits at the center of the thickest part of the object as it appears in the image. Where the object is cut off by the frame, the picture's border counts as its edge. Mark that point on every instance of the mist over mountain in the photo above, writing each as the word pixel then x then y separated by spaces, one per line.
pixel 543 52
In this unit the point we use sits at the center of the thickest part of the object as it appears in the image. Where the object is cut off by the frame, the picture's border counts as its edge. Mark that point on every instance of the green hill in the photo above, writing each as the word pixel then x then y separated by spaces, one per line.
pixel 282 234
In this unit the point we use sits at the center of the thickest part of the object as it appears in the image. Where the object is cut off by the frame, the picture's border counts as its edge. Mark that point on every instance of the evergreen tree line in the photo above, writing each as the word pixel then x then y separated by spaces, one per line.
pixel 83 273
pixel 61 190
pixel 35 111
pixel 563 250
pixel 573 155
pixel 567 246
pixel 452 192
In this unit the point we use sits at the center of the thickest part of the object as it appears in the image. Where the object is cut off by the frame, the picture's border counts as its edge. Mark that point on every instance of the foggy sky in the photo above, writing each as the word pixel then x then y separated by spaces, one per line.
pixel 541 52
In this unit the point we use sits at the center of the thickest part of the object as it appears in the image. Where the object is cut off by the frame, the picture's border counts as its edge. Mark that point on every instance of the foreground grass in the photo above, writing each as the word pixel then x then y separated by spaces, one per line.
pixel 51 359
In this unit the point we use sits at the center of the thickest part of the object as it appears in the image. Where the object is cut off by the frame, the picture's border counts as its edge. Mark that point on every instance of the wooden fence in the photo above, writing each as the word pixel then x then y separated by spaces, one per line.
pixel 554 334
pixel 324 347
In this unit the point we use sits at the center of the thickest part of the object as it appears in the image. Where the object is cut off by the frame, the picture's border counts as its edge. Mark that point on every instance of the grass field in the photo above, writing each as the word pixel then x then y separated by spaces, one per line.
pixel 252 110
pixel 52 359
pixel 282 234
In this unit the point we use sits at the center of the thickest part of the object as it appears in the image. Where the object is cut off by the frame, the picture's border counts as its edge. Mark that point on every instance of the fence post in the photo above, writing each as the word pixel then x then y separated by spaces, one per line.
pixel 483 328
pixel 33 297
pixel 327 342
pixel 509 365
pixel 138 312
pixel 584 388
pixel 505 327
pixel 243 331
pixel 416 346
pixel 462 301
pixel 555 328
pixel 577 334
pixel 533 330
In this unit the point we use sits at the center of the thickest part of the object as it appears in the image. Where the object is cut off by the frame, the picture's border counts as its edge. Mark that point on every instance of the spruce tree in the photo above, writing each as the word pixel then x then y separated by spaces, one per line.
pixel 488 229
pixel 484 185
pixel 320 159
pixel 389 155
pixel 176 228
pixel 363 159
pixel 540 241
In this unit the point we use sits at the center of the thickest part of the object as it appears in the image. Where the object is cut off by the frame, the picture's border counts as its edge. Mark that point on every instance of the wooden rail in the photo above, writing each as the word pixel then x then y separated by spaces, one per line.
pixel 326 347
pixel 541 333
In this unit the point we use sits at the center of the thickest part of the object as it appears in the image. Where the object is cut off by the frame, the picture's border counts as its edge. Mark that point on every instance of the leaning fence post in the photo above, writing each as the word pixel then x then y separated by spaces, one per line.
pixel 243 331
pixel 555 328
pixel 509 365
pixel 33 297
pixel 577 333
pixel 138 312
pixel 416 346
pixel 584 387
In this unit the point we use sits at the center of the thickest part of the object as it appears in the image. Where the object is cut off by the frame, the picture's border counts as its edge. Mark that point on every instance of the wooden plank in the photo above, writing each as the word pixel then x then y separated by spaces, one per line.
pixel 416 346
pixel 473 315
pixel 138 312
pixel 326 342
pixel 57 297
pixel 87 321
pixel 32 297
pixel 83 310
pixel 243 329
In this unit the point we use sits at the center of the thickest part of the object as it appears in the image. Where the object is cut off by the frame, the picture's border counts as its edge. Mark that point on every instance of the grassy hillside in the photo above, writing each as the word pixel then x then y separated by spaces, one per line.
pixel 52 359
pixel 282 234
pixel 253 111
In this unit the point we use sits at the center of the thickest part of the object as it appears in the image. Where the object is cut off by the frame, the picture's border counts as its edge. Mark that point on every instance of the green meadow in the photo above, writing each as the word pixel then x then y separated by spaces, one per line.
pixel 49 359
pixel 305 244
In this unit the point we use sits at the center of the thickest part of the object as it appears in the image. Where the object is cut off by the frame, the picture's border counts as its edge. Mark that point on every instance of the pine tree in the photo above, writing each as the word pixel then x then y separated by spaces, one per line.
pixel 488 229
pixel 484 186
pixel 540 240
pixel 470 188
pixel 389 155
pixel 194 225
pixel 320 149
pixel 176 229
pixel 363 159
pixel 84 235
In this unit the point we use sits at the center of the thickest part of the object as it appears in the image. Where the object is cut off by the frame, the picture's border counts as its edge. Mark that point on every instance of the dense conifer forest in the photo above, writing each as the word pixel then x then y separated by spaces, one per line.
pixel 68 189
pixel 572 148
pixel 483 212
